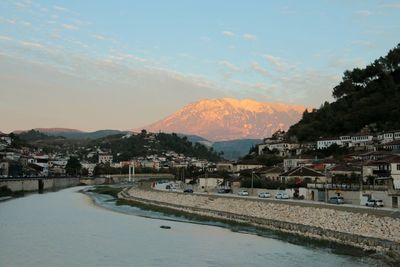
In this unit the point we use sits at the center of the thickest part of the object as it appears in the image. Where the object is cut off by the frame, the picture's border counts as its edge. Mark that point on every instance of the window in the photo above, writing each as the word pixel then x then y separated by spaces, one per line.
pixel 398 167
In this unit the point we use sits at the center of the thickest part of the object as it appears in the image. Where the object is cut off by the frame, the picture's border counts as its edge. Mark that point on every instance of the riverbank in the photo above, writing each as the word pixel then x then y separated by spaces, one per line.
pixel 370 233
pixel 126 235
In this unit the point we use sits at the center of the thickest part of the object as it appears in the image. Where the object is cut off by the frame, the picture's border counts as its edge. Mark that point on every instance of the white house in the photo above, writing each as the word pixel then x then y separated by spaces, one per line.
pixel 89 166
pixel 303 173
pixel 210 183
pixel 387 137
pixel 283 148
pixel 178 164
pixel 360 140
pixel 43 162
pixel 246 165
pixel 154 164
pixel 325 143
pixel 346 139
pixel 59 162
pixel 225 166
pixel 395 172
pixel 291 163
pixel 393 146
pixel 5 138
pixel 105 158
pixel 357 140
pixel 199 163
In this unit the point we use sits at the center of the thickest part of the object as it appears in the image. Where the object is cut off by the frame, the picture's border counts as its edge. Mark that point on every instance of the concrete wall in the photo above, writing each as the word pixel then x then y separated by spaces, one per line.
pixel 383 195
pixel 30 185
pixel 48 184
pixel 273 192
pixel 20 185
pixel 350 197
pixel 354 197
pixel 65 182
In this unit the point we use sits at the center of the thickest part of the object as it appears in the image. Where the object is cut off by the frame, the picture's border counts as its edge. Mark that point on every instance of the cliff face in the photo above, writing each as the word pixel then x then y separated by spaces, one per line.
pixel 228 119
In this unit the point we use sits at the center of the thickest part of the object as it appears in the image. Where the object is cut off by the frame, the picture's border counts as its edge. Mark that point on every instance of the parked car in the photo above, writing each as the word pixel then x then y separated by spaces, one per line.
pixel 374 203
pixel 188 190
pixel 224 191
pixel 336 200
pixel 243 193
pixel 282 195
pixel 264 195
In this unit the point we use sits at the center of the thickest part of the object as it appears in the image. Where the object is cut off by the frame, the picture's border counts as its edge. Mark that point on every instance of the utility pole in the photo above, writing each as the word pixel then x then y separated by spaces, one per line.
pixel 362 174
pixel 131 172
pixel 252 180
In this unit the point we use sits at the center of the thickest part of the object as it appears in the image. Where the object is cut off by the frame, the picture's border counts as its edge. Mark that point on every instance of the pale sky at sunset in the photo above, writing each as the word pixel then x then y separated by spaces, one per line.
pixel 123 64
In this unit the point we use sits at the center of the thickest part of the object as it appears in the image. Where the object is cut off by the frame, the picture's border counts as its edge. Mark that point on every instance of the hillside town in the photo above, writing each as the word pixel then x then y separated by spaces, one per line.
pixel 34 162
pixel 203 133
pixel 358 166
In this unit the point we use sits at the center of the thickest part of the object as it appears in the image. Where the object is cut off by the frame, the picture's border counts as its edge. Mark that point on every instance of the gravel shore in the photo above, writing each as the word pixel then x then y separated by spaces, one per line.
pixel 323 219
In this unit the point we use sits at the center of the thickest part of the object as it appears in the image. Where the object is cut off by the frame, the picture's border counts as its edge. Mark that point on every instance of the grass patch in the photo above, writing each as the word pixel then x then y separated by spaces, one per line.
pixel 106 190
pixel 177 213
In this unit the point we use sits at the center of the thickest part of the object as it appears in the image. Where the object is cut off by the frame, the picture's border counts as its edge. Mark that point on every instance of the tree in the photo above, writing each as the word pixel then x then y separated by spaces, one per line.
pixel 73 166
pixel 365 96
pixel 143 133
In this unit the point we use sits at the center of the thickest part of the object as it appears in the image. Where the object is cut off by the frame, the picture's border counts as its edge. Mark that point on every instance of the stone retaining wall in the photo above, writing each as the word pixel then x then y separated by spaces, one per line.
pixel 355 229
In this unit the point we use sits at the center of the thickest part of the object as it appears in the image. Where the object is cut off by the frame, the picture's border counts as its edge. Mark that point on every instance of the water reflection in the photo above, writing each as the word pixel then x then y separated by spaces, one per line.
pixel 65 229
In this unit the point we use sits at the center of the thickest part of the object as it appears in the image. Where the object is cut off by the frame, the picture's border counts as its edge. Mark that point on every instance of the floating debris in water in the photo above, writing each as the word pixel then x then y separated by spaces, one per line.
pixel 165 227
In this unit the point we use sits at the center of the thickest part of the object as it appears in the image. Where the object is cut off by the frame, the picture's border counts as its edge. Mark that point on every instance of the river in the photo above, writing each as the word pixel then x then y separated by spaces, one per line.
pixel 65 228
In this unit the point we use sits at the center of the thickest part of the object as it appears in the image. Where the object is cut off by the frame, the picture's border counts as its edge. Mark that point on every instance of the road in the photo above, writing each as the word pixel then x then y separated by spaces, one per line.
pixel 381 212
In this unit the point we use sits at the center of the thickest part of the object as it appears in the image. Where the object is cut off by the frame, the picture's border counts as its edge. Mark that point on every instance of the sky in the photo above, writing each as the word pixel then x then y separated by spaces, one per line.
pixel 124 64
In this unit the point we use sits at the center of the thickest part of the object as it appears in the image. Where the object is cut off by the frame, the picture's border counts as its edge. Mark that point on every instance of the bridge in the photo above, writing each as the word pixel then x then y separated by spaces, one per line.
pixel 41 184
pixel 118 178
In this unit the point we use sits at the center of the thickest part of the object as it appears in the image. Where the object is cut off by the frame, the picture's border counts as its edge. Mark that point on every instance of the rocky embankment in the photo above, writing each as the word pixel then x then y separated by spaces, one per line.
pixel 356 229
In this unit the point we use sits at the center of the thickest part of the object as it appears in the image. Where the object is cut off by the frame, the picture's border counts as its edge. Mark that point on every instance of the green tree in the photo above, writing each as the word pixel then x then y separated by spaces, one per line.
pixel 367 96
pixel 73 166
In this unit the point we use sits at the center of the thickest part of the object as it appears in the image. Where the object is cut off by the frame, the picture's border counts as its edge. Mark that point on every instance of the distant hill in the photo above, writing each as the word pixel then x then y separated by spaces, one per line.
pixel 76 134
pixel 197 139
pixel 148 144
pixel 33 135
pixel 57 130
pixel 235 149
pixel 230 119
pixel 90 135
pixel 365 97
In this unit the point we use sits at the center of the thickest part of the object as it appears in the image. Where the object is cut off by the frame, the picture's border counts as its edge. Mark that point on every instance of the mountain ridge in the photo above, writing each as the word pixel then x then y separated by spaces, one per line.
pixel 229 119
pixel 50 130
pixel 74 133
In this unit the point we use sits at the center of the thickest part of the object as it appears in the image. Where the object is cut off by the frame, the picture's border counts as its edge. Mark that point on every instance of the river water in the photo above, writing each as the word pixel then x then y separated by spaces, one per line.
pixel 65 228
